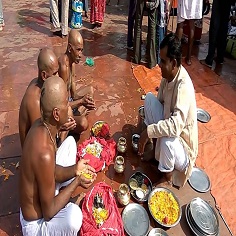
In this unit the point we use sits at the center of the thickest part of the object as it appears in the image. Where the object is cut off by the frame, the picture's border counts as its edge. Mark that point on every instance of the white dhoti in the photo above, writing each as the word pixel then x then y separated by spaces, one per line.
pixel 66 156
pixel 168 151
pixel 68 221
pixel 189 9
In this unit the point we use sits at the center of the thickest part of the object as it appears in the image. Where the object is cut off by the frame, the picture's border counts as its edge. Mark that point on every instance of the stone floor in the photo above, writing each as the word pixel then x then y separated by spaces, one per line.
pixel 117 97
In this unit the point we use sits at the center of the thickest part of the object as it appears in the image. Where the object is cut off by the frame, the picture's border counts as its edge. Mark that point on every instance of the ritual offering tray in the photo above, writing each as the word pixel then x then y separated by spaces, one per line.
pixel 100 129
pixel 164 207
pixel 140 186
pixel 157 232
pixel 135 219
pixel 202 218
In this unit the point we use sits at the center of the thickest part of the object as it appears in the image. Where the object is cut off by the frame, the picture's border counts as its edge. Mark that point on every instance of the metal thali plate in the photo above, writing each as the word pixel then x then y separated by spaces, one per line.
pixel 157 232
pixel 199 180
pixel 190 223
pixel 204 216
pixel 203 116
pixel 135 219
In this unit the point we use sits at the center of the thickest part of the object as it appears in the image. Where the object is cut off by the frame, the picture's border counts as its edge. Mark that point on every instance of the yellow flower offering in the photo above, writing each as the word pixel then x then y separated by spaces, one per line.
pixel 164 207
pixel 86 175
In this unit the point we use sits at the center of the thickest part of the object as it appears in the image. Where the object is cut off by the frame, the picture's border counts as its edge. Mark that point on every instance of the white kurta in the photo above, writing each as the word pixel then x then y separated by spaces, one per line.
pixel 189 9
pixel 68 221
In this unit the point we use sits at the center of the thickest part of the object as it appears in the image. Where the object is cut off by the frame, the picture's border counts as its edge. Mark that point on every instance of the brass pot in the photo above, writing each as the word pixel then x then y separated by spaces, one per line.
pixel 122 145
pixel 123 194
pixel 119 165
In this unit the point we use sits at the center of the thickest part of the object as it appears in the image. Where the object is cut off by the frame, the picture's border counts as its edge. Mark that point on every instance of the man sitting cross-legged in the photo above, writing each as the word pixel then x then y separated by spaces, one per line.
pixel 43 209
pixel 30 108
pixel 171 117
pixel 81 101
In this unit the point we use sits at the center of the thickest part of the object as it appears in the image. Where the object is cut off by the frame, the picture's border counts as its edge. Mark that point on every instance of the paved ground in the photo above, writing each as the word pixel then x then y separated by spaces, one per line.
pixel 117 95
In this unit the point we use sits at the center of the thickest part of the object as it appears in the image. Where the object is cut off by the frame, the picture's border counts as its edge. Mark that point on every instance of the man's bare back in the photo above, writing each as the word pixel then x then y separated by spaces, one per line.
pixel 34 154
pixel 28 108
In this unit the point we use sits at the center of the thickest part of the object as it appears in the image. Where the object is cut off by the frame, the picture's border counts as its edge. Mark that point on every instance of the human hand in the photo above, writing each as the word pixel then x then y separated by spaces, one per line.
pixel 88 102
pixel 83 167
pixel 86 181
pixel 69 125
pixel 142 142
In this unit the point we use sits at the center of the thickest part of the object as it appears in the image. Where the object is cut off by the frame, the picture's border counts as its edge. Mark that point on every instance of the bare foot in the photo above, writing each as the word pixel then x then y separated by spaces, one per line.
pixel 188 61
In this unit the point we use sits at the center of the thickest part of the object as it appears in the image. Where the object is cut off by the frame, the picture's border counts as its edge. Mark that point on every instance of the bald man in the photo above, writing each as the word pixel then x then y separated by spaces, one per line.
pixel 30 107
pixel 45 210
pixel 80 101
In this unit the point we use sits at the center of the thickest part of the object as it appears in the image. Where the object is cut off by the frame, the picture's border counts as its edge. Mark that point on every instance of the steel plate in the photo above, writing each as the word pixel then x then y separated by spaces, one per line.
pixel 204 216
pixel 203 116
pixel 136 220
pixel 157 232
pixel 177 200
pixel 191 226
pixel 199 180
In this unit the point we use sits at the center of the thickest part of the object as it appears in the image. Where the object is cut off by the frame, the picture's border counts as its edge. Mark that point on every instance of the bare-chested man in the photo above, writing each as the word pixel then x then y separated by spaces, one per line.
pixel 30 107
pixel 45 210
pixel 80 101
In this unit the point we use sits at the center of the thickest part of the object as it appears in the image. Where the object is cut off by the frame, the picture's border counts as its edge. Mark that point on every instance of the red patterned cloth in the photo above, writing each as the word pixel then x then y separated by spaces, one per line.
pixel 97 11
pixel 113 225
pixel 106 156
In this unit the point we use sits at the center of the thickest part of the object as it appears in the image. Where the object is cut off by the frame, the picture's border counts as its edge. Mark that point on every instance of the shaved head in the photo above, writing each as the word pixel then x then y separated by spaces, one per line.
pixel 75 37
pixel 53 95
pixel 46 59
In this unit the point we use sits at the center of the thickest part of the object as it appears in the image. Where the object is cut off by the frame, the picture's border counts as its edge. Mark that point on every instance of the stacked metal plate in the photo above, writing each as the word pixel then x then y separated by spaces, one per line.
pixel 202 218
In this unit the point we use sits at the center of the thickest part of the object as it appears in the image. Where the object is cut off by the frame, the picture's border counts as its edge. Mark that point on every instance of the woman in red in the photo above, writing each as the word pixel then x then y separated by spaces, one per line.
pixel 97 12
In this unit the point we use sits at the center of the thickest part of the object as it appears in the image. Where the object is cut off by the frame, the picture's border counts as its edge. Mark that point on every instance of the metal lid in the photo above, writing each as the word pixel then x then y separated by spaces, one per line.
pixel 199 180
pixel 204 216
pixel 203 116
pixel 136 220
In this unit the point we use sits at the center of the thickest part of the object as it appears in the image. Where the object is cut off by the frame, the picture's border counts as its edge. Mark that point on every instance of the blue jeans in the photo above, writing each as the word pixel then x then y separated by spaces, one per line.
pixel 1 13
pixel 160 34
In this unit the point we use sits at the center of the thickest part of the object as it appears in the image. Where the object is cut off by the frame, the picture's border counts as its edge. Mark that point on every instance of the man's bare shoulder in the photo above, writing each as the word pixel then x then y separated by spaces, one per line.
pixel 40 151
pixel 33 89
pixel 63 61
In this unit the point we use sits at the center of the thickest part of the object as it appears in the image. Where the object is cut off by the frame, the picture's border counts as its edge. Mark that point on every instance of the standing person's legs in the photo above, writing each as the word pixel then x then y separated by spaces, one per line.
pixel 213 31
pixel 64 17
pixel 55 15
pixel 160 34
pixel 85 2
pixel 223 31
pixel 138 30
pixel 190 41
pixel 66 156
pixel 151 39
pixel 131 17
pixel 1 17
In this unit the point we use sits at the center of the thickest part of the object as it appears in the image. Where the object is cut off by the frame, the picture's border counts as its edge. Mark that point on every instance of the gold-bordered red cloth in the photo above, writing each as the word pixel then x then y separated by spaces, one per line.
pixel 106 157
pixel 113 226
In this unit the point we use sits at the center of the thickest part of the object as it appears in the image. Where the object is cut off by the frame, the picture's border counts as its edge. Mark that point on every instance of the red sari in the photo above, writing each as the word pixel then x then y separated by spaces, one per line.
pixel 97 11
